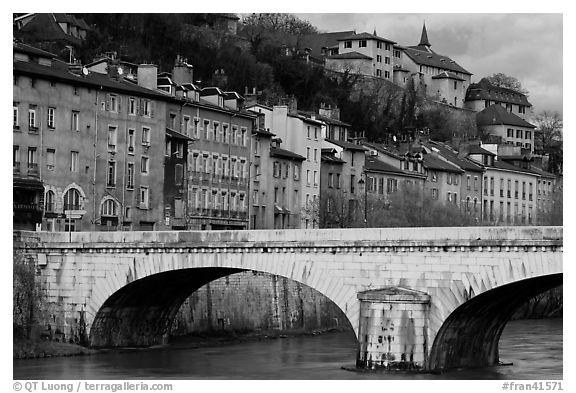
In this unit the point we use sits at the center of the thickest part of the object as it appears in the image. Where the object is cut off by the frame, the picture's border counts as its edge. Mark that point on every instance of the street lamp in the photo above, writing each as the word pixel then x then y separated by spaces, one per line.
pixel 363 184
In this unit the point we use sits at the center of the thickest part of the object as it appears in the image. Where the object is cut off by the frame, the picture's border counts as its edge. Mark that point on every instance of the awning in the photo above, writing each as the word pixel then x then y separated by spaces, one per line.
pixel 28 184
pixel 176 135
pixel 278 209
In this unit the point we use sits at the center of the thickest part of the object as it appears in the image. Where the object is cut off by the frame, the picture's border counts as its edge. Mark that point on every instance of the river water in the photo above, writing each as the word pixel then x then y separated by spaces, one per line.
pixel 534 347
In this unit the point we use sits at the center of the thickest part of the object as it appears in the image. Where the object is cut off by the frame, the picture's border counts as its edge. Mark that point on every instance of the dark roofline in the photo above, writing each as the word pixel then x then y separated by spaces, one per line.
pixel 346 145
pixel 283 153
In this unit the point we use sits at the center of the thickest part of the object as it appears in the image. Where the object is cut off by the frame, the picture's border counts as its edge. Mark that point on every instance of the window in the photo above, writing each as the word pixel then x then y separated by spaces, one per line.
pixel 172 121
pixel 131 133
pixel 51 118
pixel 378 59
pixel 379 72
pixel 15 116
pixel 74 161
pixel 509 192
pixel 308 175
pixel 16 158
pixel 475 183
pixel 109 208
pixel 131 106
pixel 449 178
pixel 111 174
pixel 32 160
pixel 387 74
pixel 234 135
pixel 130 176
pixel 391 185
pixel 352 184
pixel 397 53
pixel 316 133
pixel 386 60
pixel 518 133
pixel 516 189
pixel 491 186
pixel 49 200
pixel 309 134
pixel 186 125
pixel 387 46
pixel 510 133
pixel 330 180
pixel 315 155
pixel 529 191
pixel 455 85
pixel 434 193
pixel 501 188
pixel 468 182
pixel 32 117
pixel 144 164
pixel 362 44
pixel 315 178
pixel 307 154
pixel 178 174
pixel 111 138
pixel 75 126
pixel 144 197
pixel 113 102
pixel 50 159
pixel 524 190
pixel 296 172
pixel 72 199
pixel 243 137
pixel 147 108
pixel 338 180
pixel 528 134
pixel 347 44
pixel 145 136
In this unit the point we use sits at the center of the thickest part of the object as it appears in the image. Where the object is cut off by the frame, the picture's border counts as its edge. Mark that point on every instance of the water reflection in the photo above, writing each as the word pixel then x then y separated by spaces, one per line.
pixel 535 348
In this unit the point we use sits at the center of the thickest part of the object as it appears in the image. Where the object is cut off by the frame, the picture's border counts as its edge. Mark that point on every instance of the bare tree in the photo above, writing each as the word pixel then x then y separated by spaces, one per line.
pixel 502 80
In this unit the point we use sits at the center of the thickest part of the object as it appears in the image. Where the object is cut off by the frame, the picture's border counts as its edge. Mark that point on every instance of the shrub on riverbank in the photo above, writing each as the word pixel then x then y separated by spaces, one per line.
pixel 26 349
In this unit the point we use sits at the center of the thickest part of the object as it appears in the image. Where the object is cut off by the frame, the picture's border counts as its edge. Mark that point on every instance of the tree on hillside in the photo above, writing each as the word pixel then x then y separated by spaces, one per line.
pixel 548 138
pixel 502 80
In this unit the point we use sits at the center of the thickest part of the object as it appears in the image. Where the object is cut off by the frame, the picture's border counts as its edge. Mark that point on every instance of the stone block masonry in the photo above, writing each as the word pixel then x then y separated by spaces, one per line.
pixel 254 301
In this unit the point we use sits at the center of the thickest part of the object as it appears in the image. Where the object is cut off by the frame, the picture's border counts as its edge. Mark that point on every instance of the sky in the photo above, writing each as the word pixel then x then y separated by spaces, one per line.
pixel 526 46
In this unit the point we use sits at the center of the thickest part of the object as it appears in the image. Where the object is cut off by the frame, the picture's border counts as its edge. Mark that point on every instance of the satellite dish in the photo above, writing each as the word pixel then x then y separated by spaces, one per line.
pixel 85 71
pixel 120 71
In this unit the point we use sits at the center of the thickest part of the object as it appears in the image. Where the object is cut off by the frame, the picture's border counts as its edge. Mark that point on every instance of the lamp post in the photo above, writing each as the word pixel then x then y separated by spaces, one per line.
pixel 364 184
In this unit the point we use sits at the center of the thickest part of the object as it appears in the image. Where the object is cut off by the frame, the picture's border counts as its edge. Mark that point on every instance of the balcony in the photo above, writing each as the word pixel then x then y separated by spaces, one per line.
pixel 33 170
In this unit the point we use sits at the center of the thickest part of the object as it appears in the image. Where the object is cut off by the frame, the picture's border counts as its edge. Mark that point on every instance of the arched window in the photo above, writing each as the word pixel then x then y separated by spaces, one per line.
pixel 109 208
pixel 49 201
pixel 72 199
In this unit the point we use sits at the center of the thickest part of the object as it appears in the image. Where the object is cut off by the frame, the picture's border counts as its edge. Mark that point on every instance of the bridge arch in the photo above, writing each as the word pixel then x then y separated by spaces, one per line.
pixel 469 336
pixel 140 312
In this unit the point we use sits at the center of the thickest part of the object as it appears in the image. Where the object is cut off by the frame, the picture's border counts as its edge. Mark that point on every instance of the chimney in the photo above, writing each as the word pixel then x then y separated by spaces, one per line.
pixel 147 76
pixel 182 72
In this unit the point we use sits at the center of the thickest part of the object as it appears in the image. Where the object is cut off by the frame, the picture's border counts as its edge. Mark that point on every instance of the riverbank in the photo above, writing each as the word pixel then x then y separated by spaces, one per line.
pixel 28 349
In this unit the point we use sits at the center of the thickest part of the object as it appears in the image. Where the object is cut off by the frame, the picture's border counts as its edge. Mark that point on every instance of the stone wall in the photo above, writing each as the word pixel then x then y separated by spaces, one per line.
pixel 254 301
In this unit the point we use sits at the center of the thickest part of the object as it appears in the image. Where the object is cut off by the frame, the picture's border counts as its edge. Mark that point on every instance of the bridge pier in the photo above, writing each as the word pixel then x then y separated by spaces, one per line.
pixel 393 330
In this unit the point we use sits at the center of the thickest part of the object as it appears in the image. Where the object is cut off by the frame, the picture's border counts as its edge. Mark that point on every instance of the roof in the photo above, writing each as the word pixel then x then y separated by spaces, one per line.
pixel 432 162
pixel 323 40
pixel 346 145
pixel 383 149
pixel 325 119
pixel 189 86
pixel 264 132
pixel 210 91
pixel 306 119
pixel 509 167
pixel 21 47
pixel 398 67
pixel 365 36
pixel 496 114
pixel 542 172
pixel 475 149
pixel 425 56
pixel 329 158
pixel 93 79
pixel 373 164
pixel 278 152
pixel 424 37
pixel 452 156
pixel 447 75
pixel 176 135
pixel 350 55
pixel 45 26
pixel 484 90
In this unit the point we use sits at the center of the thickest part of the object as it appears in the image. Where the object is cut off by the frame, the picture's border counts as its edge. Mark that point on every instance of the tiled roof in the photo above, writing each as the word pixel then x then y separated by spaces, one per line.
pixel 365 36
pixel 383 149
pixel 346 145
pixel 542 172
pixel 278 152
pixel 323 40
pixel 48 27
pixel 475 149
pixel 262 131
pixel 509 167
pixel 436 163
pixel 325 119
pixel 21 47
pixel 329 158
pixel 93 79
pixel 350 55
pixel 484 90
pixel 448 75
pixel 452 156
pixel 498 115
pixel 420 55
pixel 374 164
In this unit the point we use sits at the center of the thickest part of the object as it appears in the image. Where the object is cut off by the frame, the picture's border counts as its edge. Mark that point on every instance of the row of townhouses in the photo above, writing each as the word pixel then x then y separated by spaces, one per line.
pixel 118 146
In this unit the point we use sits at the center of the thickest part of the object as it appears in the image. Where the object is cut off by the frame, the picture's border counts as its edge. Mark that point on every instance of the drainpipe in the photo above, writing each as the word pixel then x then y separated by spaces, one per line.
pixel 95 161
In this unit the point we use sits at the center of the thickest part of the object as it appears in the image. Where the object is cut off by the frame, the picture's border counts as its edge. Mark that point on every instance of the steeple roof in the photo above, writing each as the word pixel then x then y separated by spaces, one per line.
pixel 424 38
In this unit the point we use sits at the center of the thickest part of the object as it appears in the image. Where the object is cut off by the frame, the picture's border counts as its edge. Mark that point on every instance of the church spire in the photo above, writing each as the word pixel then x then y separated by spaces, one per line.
pixel 424 38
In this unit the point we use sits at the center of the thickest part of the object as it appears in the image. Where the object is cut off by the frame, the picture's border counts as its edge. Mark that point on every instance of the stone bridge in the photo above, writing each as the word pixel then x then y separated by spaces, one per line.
pixel 432 298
